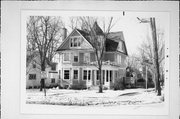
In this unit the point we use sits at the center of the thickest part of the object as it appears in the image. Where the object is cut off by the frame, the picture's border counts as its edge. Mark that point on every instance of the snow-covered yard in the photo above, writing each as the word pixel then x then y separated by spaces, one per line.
pixel 92 97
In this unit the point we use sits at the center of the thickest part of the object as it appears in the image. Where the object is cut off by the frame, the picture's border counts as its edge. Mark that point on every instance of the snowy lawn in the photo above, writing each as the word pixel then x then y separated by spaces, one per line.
pixel 92 97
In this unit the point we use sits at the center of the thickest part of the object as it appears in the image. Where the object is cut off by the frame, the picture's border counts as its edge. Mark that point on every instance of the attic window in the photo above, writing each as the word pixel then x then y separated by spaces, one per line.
pixel 75 41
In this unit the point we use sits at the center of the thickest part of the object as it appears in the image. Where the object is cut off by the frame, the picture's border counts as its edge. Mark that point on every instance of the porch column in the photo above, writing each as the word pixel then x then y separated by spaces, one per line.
pixel 104 76
pixel 113 76
pixel 109 76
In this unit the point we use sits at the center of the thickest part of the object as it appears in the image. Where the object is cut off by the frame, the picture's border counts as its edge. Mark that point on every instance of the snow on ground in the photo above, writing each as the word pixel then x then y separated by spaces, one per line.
pixel 92 97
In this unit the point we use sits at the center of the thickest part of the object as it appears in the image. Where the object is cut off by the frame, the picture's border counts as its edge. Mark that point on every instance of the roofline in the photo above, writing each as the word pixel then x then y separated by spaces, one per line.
pixel 69 36
pixel 65 40
pixel 84 37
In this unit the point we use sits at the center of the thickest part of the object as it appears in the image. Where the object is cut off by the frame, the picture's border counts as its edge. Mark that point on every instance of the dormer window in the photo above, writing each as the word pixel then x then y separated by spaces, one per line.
pixel 75 41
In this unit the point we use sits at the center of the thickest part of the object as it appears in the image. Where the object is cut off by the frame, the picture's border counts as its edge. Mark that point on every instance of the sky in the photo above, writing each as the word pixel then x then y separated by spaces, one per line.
pixel 134 31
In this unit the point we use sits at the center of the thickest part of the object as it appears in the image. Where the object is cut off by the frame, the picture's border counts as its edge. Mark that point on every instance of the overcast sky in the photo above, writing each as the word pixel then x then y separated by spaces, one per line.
pixel 134 31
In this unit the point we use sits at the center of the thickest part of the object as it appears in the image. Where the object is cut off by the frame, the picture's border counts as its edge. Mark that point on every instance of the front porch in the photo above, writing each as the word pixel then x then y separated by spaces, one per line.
pixel 88 76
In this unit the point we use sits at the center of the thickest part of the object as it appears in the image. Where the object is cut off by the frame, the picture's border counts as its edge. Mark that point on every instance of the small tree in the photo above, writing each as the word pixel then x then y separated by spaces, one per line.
pixel 43 34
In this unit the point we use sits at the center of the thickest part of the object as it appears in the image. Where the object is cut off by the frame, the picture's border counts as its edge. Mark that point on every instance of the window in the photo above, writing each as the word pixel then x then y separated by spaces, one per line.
pixel 66 57
pixel 89 75
pixel 32 76
pixel 76 59
pixel 107 75
pixel 66 74
pixel 86 57
pixel 110 75
pixel 75 74
pixel 118 59
pixel 59 74
pixel 75 41
pixel 97 75
pixel 53 80
pixel 34 65
pixel 53 67
pixel 85 75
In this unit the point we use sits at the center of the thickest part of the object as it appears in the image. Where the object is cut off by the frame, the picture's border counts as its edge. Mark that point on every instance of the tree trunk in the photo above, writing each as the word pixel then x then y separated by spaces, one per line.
pixel 157 73
pixel 43 84
pixel 100 82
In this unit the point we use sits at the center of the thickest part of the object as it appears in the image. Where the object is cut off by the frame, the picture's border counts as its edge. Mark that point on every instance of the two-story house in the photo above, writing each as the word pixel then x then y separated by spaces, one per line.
pixel 77 59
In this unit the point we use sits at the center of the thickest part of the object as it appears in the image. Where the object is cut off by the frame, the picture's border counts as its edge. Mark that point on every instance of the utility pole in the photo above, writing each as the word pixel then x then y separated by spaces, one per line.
pixel 146 78
pixel 155 49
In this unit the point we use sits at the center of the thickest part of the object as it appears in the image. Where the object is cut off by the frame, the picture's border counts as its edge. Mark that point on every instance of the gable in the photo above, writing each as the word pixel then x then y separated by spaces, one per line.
pixel 66 45
pixel 122 47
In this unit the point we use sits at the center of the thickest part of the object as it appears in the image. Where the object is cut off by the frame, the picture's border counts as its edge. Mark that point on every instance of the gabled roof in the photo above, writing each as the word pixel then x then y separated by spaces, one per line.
pixel 112 41
pixel 116 36
pixel 97 29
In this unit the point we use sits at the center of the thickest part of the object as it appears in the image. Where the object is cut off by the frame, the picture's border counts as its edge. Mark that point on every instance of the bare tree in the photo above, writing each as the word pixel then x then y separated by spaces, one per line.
pixel 97 37
pixel 43 34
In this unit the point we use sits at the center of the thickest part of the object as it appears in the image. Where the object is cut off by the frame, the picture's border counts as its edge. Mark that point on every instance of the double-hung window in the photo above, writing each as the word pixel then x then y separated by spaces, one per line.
pixel 75 74
pixel 86 57
pixel 66 57
pixel 75 41
pixel 87 75
pixel 118 59
pixel 76 57
pixel 66 74
pixel 32 76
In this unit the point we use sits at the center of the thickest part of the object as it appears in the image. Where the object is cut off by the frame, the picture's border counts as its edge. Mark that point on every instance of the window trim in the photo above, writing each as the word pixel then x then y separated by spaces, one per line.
pixel 64 74
pixel 64 57
pixel 87 72
pixel 79 40
pixel 76 54
pixel 53 80
pixel 34 78
pixel 119 57
pixel 88 56
pixel 77 74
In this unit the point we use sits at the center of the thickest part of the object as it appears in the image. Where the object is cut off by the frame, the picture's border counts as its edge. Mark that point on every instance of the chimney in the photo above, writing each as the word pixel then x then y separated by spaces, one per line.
pixel 64 33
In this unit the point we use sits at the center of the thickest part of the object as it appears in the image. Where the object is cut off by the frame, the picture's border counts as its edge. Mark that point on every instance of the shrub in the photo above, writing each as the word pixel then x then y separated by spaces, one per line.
pixel 118 84
pixel 150 84
pixel 105 88
pixel 79 86
pixel 35 87
pixel 30 87
pixel 141 80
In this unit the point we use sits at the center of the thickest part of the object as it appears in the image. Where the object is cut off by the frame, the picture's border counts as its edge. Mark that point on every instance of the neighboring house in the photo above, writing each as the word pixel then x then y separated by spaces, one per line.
pixel 34 74
pixel 76 59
